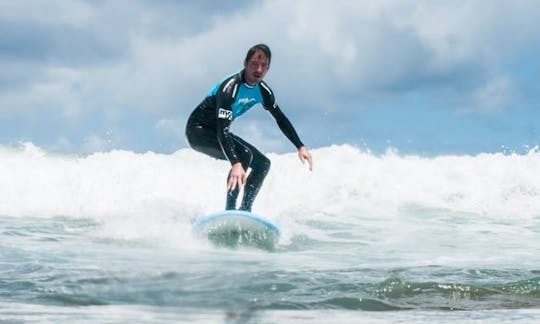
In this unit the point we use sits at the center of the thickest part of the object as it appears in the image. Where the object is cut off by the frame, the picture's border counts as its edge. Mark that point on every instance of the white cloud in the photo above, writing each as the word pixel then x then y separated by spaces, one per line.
pixel 492 97
pixel 263 135
pixel 53 94
pixel 62 144
pixel 95 143
pixel 170 128
pixel 114 58
pixel 339 47
pixel 76 13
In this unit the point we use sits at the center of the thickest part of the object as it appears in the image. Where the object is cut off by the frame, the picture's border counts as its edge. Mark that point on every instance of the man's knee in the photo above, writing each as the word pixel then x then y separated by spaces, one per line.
pixel 246 157
pixel 263 164
pixel 267 163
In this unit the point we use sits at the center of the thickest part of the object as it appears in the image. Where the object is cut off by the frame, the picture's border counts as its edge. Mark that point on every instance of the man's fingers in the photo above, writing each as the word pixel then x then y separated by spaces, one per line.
pixel 231 185
pixel 310 163
pixel 307 157
pixel 234 181
pixel 304 155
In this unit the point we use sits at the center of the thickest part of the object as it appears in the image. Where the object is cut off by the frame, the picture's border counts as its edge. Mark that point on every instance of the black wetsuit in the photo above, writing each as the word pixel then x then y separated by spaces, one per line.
pixel 207 131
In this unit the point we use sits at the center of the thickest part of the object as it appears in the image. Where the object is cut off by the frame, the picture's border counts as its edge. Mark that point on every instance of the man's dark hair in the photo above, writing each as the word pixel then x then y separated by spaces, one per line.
pixel 259 47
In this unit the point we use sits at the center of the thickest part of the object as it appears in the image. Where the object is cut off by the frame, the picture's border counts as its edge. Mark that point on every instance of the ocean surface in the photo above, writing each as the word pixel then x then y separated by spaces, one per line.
pixel 106 238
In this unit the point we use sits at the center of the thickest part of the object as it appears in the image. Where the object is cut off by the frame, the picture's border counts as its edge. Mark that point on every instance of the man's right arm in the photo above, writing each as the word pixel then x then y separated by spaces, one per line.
pixel 224 116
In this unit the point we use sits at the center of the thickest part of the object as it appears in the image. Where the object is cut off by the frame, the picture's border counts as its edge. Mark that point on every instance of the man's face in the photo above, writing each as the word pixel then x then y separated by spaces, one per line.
pixel 256 68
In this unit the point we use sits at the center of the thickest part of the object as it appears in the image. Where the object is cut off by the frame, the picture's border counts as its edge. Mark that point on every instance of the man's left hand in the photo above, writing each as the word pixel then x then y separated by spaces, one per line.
pixel 304 156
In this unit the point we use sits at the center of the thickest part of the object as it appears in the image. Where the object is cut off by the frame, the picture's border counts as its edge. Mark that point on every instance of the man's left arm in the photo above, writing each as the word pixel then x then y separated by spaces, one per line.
pixel 288 129
pixel 284 124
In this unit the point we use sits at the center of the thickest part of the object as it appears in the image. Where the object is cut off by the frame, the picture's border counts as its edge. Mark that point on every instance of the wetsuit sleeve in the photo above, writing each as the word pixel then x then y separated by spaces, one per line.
pixel 269 103
pixel 224 117
pixel 286 126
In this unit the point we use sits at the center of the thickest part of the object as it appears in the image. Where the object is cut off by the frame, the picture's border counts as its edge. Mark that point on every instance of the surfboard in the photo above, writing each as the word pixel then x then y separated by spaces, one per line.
pixel 236 228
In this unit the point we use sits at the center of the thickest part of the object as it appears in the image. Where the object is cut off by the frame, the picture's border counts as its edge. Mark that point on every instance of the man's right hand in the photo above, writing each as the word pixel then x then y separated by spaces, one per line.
pixel 237 177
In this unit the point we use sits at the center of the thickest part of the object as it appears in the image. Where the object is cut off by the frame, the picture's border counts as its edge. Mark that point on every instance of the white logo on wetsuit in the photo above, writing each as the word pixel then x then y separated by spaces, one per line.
pixel 224 114
pixel 247 101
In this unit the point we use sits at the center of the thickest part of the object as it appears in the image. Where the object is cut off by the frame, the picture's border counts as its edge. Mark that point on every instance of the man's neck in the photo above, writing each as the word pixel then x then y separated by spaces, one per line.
pixel 243 76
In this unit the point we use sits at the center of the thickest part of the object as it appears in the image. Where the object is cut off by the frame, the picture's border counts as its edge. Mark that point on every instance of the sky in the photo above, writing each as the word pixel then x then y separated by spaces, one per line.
pixel 420 77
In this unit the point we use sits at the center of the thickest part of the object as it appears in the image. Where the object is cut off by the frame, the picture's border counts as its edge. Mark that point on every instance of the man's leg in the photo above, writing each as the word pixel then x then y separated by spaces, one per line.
pixel 205 141
pixel 232 196
pixel 260 165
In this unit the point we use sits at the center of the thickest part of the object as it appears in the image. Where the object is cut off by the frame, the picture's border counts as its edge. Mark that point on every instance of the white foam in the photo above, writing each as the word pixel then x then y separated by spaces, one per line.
pixel 136 194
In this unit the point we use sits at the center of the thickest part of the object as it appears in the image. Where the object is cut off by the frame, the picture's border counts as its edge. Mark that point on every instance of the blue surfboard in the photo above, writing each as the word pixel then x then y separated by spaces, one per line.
pixel 235 228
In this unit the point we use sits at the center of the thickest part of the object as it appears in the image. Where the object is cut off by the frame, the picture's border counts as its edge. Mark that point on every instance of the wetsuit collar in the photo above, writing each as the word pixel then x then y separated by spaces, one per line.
pixel 244 80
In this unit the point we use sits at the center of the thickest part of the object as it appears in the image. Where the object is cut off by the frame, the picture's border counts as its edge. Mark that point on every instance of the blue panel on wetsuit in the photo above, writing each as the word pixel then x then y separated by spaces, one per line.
pixel 246 97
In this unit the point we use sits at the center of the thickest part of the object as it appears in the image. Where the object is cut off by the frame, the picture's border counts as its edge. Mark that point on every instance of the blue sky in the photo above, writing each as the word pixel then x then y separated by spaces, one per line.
pixel 428 77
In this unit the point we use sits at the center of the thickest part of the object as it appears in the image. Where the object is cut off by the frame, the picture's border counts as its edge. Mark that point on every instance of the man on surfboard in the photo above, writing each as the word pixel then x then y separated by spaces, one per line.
pixel 207 129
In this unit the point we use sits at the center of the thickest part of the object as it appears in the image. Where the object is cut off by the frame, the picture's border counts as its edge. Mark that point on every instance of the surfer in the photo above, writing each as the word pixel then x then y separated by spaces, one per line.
pixel 207 129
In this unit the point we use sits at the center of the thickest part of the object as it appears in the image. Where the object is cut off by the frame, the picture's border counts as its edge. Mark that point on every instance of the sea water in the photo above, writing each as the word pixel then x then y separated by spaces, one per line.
pixel 106 238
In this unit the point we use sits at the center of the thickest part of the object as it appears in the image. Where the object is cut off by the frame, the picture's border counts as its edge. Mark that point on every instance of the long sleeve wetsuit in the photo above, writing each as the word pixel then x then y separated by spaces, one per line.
pixel 207 130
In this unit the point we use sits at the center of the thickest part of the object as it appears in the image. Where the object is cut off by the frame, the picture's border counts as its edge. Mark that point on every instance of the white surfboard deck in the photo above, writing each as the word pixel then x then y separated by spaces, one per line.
pixel 234 228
